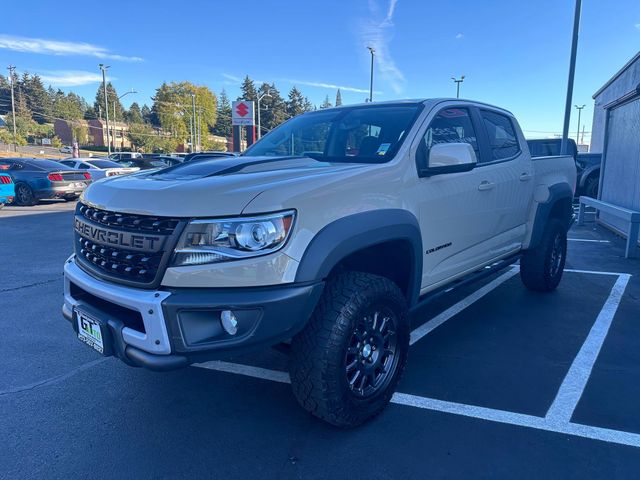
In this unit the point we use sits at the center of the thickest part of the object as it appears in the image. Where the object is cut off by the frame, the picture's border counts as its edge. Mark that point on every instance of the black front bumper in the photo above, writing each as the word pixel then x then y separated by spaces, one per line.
pixel 266 316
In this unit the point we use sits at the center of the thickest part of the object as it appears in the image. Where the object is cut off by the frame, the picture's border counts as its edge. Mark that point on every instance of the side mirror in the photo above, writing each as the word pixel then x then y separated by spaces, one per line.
pixel 449 158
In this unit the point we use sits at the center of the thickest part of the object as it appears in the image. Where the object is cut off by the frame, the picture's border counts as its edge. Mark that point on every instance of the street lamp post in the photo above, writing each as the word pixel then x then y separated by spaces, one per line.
pixel 114 116
pixel 458 81
pixel 579 107
pixel 373 51
pixel 12 69
pixel 260 97
pixel 564 149
pixel 104 67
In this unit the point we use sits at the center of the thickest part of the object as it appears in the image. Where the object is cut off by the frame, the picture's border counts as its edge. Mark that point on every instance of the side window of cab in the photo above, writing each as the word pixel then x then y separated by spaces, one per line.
pixel 452 125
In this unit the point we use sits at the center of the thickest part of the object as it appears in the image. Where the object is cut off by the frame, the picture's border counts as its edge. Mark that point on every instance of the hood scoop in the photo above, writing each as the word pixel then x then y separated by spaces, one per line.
pixel 217 167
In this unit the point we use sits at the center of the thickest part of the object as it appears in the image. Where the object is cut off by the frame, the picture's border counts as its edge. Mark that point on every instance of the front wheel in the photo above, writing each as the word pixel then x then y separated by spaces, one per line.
pixel 347 361
pixel 541 267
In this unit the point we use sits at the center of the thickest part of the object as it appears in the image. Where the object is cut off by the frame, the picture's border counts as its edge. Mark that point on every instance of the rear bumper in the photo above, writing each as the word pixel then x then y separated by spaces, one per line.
pixel 59 191
pixel 172 328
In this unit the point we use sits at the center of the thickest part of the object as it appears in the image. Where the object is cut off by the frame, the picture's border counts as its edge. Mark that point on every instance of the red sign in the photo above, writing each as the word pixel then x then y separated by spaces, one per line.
pixel 242 113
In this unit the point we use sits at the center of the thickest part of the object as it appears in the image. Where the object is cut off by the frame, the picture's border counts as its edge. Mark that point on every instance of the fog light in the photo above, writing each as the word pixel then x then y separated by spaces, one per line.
pixel 229 322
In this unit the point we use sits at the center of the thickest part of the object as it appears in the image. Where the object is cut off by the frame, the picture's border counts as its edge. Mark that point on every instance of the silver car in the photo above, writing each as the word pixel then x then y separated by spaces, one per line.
pixel 98 167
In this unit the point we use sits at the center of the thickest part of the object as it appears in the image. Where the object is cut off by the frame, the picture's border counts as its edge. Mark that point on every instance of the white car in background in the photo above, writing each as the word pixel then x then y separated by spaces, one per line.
pixel 98 167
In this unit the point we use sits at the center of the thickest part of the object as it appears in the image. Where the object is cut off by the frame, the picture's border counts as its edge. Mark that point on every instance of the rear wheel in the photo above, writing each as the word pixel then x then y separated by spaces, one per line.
pixel 346 363
pixel 541 267
pixel 591 187
pixel 24 195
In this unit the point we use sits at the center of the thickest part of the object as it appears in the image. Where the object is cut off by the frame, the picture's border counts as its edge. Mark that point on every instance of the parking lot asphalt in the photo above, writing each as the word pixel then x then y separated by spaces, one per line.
pixel 501 383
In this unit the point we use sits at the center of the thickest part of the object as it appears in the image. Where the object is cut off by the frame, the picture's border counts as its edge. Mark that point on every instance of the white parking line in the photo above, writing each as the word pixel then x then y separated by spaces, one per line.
pixel 594 272
pixel 481 413
pixel 574 383
pixel 558 417
pixel 587 240
pixel 439 319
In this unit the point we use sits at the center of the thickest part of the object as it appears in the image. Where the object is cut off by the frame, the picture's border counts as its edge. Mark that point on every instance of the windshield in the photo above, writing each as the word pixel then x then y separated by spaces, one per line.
pixel 365 134
pixel 104 164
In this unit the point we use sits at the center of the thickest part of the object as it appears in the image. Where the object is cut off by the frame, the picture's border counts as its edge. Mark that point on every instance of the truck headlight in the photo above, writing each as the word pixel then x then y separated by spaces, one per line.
pixel 221 240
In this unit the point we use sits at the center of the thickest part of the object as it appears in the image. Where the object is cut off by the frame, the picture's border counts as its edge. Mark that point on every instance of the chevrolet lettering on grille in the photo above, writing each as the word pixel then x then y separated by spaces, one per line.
pixel 118 238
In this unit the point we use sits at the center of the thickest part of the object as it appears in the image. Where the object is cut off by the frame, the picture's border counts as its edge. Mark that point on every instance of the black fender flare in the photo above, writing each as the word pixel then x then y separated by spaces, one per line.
pixel 557 192
pixel 347 235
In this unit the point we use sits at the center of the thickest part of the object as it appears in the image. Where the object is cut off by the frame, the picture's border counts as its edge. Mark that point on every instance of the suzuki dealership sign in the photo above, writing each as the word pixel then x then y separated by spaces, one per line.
pixel 242 113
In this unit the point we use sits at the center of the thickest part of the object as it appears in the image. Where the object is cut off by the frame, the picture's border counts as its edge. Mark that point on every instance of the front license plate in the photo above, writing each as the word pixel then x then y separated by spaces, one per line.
pixel 90 331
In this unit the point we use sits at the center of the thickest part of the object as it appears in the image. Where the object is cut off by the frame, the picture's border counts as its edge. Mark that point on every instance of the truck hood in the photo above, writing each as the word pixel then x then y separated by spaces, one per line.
pixel 209 188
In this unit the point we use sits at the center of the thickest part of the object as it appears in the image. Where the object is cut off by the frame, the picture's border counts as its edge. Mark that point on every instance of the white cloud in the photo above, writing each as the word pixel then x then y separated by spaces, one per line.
pixel 71 78
pixel 233 78
pixel 377 32
pixel 332 86
pixel 637 25
pixel 55 47
pixel 459 36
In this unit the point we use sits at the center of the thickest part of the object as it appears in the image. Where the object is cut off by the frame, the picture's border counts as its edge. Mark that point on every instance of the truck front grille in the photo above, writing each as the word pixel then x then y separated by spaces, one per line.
pixel 118 263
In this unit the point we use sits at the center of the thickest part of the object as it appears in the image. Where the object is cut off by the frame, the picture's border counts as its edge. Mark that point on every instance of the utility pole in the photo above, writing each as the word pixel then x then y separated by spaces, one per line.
pixel 193 116
pixel 579 107
pixel 458 81
pixel 198 132
pixel 373 52
pixel 12 69
pixel 564 149
pixel 104 67
pixel 114 118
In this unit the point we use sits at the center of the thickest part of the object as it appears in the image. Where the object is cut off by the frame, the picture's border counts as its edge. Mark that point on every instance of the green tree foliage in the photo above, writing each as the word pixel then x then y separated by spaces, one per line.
pixel 112 96
pixel 222 126
pixel 150 116
pixel 295 103
pixel 173 105
pixel 338 98
pixel 134 115
pixel 326 103
pixel 273 108
pixel 248 89
pixel 37 99
pixel 68 107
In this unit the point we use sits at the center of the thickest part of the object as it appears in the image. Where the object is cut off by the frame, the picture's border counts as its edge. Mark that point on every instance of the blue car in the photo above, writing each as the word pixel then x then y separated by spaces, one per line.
pixel 7 190
pixel 37 179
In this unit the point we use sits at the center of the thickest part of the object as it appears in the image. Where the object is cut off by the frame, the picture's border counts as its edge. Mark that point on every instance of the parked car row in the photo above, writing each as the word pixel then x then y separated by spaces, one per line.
pixel 39 179
pixel 26 181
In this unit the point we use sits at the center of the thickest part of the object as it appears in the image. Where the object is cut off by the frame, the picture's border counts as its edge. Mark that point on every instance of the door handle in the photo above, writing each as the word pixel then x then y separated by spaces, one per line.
pixel 486 186
pixel 525 177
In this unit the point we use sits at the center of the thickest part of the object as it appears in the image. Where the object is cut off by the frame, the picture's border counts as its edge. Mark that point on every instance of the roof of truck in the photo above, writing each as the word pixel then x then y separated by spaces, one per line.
pixel 416 101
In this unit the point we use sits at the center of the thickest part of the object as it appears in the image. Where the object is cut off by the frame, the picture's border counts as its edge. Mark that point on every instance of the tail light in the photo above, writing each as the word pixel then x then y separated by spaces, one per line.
pixel 5 180
pixel 87 175
pixel 55 177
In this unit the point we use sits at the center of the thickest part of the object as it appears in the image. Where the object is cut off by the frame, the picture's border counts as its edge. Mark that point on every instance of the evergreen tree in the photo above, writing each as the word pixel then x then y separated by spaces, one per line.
pixel 134 115
pixel 38 101
pixel 112 95
pixel 248 89
pixel 149 116
pixel 326 103
pixel 222 126
pixel 295 103
pixel 338 98
pixel 307 106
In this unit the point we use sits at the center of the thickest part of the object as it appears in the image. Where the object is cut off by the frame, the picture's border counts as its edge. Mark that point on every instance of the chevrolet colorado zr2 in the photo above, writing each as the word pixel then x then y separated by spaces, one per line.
pixel 320 238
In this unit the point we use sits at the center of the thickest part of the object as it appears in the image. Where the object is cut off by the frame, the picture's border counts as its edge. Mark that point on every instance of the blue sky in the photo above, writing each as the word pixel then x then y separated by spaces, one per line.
pixel 513 53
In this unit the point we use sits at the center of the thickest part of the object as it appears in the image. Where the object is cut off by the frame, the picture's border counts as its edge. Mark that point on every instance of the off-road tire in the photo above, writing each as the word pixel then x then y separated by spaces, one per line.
pixel 540 268
pixel 24 195
pixel 320 352
pixel 591 187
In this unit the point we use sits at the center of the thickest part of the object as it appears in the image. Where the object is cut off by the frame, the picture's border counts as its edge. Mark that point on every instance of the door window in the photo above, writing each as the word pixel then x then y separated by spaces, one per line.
pixel 503 141
pixel 452 125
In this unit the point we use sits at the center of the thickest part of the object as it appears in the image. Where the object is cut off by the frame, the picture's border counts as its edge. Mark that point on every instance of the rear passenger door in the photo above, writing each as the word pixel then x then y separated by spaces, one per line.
pixel 511 172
